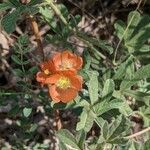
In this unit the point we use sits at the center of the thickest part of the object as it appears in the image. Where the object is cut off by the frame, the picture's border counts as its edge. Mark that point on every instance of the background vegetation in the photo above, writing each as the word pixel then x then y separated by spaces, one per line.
pixel 113 109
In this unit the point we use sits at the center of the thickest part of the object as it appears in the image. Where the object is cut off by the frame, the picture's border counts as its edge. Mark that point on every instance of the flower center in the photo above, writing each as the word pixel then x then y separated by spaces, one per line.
pixel 46 71
pixel 63 83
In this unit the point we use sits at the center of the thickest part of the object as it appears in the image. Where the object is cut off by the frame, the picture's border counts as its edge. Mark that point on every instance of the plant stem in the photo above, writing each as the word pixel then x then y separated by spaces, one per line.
pixel 58 13
pixel 116 50
pixel 138 133
pixel 35 29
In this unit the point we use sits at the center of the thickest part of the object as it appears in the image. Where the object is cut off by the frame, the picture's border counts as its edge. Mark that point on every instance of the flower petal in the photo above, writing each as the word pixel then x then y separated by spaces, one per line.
pixel 68 73
pixel 79 62
pixel 40 77
pixel 67 54
pixel 48 65
pixel 51 66
pixel 52 79
pixel 57 60
pixel 76 82
pixel 66 95
pixel 44 65
pixel 67 61
pixel 54 94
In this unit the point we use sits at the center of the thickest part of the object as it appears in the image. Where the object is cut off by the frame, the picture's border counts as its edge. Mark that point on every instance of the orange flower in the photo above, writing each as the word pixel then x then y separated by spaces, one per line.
pixel 60 74
pixel 47 68
pixel 60 62
pixel 64 86
pixel 67 61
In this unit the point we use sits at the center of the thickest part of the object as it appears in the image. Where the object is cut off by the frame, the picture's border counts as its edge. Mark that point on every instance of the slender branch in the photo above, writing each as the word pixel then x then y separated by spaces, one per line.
pixel 35 29
pixel 116 50
pixel 58 13
pixel 70 147
pixel 138 133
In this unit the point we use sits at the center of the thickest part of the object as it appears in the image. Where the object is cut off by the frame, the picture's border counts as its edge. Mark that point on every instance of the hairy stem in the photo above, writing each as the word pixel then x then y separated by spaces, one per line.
pixel 138 133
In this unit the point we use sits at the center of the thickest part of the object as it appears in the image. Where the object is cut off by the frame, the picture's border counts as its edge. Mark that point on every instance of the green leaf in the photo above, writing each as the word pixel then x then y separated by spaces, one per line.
pixel 34 2
pixel 114 132
pixel 145 113
pixel 118 126
pixel 25 62
pixel 140 38
pixel 33 70
pixel 119 28
pixel 86 120
pixel 63 9
pixel 62 146
pixel 74 21
pixel 87 60
pixel 82 103
pixel 100 121
pixel 105 46
pixel 80 137
pixel 15 3
pixel 138 95
pixel 27 111
pixel 18 72
pixel 82 122
pixel 5 5
pixel 33 127
pixel 141 32
pixel 145 48
pixel 140 74
pixel 108 90
pixel 23 40
pixel 133 18
pixel 48 15
pixel 105 106
pixel 134 146
pixel 16 59
pixel 9 21
pixel 138 32
pixel 93 86
pixel 121 71
pixel 146 145
pixel 103 124
pixel 68 139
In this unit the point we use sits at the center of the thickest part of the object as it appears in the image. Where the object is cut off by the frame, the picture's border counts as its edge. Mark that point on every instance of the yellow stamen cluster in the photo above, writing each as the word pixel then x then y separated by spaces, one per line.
pixel 63 83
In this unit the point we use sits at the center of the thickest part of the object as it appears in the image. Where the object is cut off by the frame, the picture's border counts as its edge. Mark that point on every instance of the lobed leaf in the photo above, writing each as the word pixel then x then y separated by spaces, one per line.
pixel 67 139
pixel 140 74
pixel 5 5
pixel 108 89
pixel 93 87
pixel 86 120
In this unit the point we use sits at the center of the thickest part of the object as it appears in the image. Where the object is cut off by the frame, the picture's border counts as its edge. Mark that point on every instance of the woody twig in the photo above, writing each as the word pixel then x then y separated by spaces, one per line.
pixel 35 29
